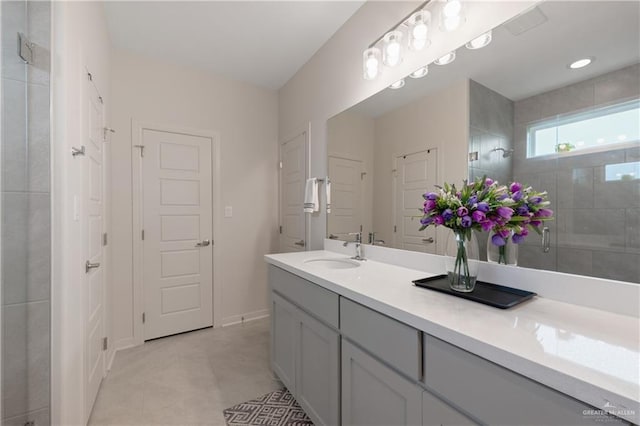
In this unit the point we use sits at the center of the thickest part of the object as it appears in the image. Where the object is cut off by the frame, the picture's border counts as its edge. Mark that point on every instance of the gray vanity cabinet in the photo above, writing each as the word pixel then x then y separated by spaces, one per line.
pixel 305 352
pixel 437 413
pixel 373 394
pixel 283 340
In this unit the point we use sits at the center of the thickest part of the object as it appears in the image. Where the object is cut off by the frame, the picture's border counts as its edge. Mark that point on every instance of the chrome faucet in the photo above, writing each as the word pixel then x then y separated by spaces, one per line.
pixel 358 243
pixel 373 241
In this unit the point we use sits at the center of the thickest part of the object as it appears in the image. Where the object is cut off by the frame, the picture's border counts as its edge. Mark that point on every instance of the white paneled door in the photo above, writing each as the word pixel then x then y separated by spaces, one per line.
pixel 92 230
pixel 293 173
pixel 346 196
pixel 415 174
pixel 177 233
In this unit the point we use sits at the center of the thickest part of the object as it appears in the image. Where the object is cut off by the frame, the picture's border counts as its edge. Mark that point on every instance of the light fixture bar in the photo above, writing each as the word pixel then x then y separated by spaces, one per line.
pixel 399 24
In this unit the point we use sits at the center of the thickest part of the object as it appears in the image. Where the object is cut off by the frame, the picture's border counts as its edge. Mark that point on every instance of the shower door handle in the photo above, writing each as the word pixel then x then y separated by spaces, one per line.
pixel 546 239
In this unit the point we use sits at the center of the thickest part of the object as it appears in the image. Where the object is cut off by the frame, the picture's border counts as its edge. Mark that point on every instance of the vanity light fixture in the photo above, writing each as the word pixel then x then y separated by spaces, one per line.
pixel 480 42
pixel 393 48
pixel 451 17
pixel 397 85
pixel 371 63
pixel 420 72
pixel 418 25
pixel 581 63
pixel 446 59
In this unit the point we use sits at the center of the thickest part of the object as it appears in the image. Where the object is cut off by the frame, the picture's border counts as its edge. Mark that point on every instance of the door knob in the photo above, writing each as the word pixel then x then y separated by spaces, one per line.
pixel 299 243
pixel 203 243
pixel 89 266
pixel 428 240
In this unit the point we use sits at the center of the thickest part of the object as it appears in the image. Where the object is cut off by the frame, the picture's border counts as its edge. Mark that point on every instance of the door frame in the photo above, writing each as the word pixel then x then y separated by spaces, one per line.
pixel 137 127
pixel 302 130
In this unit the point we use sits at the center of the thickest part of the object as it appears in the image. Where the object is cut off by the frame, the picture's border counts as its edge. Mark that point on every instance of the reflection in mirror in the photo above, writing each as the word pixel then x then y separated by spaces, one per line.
pixel 517 109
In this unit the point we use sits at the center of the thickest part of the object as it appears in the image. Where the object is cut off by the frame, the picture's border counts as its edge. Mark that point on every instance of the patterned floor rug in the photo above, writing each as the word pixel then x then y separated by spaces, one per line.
pixel 278 408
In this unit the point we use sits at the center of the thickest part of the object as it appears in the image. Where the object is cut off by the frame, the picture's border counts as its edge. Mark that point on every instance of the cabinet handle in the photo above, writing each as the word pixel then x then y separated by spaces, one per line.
pixel 203 243
pixel 299 243
pixel 429 240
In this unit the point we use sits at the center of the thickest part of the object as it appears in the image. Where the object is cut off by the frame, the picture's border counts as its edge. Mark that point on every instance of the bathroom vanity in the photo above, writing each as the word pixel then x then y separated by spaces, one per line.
pixel 357 343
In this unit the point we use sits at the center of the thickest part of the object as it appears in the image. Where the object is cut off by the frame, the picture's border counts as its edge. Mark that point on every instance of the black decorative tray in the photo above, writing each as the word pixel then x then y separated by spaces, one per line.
pixel 490 294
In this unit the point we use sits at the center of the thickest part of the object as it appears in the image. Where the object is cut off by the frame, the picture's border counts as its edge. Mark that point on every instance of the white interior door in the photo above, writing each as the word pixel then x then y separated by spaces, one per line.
pixel 92 225
pixel 415 174
pixel 346 196
pixel 177 233
pixel 293 174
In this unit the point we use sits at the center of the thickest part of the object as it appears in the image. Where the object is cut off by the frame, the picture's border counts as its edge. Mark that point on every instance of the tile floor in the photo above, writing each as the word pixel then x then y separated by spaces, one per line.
pixel 187 379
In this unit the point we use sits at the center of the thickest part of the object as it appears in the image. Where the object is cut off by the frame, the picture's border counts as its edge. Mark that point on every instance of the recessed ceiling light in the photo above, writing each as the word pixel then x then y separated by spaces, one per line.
pixel 446 59
pixel 397 85
pixel 420 72
pixel 581 63
pixel 479 42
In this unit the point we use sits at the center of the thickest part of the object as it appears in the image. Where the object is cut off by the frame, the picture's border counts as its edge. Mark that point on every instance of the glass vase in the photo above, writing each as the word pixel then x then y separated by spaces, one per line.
pixel 462 256
pixel 505 255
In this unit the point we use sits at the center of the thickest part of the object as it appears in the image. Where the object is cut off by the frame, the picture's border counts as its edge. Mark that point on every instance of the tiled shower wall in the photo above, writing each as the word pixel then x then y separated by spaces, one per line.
pixel 490 126
pixel 596 230
pixel 26 228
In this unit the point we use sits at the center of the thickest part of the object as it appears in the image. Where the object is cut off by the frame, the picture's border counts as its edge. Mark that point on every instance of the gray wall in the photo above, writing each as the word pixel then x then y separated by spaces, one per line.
pixel 490 126
pixel 26 227
pixel 597 226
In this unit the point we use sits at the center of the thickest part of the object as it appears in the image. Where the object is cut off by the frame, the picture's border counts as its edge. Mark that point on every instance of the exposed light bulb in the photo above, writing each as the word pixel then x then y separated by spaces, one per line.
pixel 451 17
pixel 418 24
pixel 420 72
pixel 446 59
pixel 480 42
pixel 452 8
pixel 392 51
pixel 397 85
pixel 371 63
pixel 580 63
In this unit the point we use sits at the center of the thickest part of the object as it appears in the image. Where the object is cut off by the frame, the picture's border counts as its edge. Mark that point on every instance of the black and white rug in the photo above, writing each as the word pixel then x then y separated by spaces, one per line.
pixel 278 408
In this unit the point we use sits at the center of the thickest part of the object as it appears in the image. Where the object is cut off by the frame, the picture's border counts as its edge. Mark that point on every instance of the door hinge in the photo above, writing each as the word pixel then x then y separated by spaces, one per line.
pixel 395 228
pixel 144 317
pixel 142 235
pixel 89 76
pixel 104 239
pixel 141 149
pixel 280 164
pixel 105 343
pixel 281 229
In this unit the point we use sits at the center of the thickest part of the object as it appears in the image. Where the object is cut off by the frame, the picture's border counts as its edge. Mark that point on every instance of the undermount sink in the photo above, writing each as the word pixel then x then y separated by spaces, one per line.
pixel 339 263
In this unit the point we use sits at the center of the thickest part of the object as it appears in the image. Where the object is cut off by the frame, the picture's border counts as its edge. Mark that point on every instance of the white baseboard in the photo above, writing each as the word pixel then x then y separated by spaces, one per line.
pixel 249 316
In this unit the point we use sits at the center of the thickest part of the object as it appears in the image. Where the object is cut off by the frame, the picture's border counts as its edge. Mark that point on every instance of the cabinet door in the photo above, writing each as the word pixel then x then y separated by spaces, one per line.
pixel 318 371
pixel 283 340
pixel 437 413
pixel 373 394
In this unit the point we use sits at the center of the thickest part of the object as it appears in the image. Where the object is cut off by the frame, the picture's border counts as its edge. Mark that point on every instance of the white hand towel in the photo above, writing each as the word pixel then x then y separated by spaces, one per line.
pixel 328 188
pixel 311 196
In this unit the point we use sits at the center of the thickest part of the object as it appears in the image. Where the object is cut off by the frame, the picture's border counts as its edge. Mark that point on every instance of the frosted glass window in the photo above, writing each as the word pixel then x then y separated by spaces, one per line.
pixel 590 131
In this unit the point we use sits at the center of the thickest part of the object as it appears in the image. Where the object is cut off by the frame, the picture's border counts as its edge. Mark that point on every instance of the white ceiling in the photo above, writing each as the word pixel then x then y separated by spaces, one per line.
pixel 535 61
pixel 259 42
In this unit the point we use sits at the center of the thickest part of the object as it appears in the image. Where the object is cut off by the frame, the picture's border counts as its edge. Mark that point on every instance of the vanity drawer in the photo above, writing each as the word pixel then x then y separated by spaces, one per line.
pixel 392 341
pixel 495 395
pixel 310 297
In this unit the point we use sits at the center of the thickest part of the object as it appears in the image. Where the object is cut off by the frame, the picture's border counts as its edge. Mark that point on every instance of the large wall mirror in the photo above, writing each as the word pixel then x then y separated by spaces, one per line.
pixel 513 110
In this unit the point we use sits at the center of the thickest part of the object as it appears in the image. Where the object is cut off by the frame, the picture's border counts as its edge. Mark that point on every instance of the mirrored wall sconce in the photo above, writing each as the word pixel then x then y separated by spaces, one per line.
pixel 480 42
pixel 420 72
pixel 446 59
pixel 397 85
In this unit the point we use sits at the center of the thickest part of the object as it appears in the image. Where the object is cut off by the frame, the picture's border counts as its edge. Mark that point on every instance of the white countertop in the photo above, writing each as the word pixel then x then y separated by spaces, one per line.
pixel 589 354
